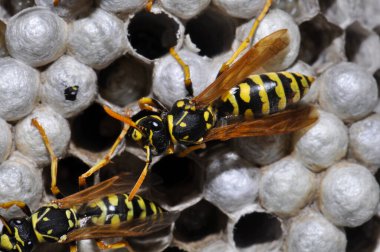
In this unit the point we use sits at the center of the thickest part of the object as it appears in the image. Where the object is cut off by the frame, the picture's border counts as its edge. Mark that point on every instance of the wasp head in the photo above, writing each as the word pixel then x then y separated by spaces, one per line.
pixel 151 130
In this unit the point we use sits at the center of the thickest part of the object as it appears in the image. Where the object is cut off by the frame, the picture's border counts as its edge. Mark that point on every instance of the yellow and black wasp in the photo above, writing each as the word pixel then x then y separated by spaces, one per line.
pixel 260 102
pixel 98 212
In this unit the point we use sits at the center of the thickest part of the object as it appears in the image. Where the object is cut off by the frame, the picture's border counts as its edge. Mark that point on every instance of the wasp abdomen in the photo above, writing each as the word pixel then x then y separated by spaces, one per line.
pixel 264 94
pixel 116 208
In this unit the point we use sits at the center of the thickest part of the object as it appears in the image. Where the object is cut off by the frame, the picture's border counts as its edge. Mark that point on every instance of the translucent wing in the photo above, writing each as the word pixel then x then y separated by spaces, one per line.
pixel 133 228
pixel 122 183
pixel 250 62
pixel 280 123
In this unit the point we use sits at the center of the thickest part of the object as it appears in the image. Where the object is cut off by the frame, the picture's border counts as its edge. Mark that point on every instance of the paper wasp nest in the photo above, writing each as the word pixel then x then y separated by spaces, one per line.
pixel 315 190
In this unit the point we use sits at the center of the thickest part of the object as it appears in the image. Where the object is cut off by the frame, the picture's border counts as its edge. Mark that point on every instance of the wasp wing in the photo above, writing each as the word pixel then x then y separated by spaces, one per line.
pixel 283 122
pixel 133 228
pixel 122 183
pixel 251 61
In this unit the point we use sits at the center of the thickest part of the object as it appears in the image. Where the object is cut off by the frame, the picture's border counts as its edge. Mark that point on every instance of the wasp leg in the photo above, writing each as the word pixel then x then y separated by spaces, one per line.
pixel 190 149
pixel 103 162
pixel 55 3
pixel 116 245
pixel 170 148
pixel 244 44
pixel 22 205
pixel 186 71
pixel 148 6
pixel 73 247
pixel 147 103
pixel 139 182
pixel 54 160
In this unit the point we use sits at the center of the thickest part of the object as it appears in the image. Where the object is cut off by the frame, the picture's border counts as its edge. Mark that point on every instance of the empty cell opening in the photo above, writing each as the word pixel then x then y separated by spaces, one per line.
pixel 376 75
pixel 317 34
pixel 325 4
pixel 69 169
pixel 377 176
pixel 152 35
pixel 199 221
pixel 355 35
pixel 212 32
pixel 256 228
pixel 125 81
pixel 174 179
pixel 14 7
pixel 94 130
pixel 377 29
pixel 156 241
pixel 174 249
pixel 48 247
pixel 125 162
pixel 364 237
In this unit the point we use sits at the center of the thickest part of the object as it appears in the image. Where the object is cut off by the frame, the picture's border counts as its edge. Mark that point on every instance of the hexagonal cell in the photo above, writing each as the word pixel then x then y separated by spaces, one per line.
pixel 69 169
pixel 125 162
pixel 377 30
pixel 212 32
pixel 48 247
pixel 362 47
pixel 199 221
pixel 152 35
pixel 256 228
pixel 317 34
pixel 94 130
pixel 173 249
pixel 300 10
pixel 355 35
pixel 177 180
pixel 364 237
pixel 125 81
pixel 154 242
pixel 16 6
pixel 377 76
pixel 324 5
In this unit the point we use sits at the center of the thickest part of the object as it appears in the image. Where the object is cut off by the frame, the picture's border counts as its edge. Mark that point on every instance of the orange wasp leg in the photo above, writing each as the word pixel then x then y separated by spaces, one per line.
pixel 73 247
pixel 104 161
pixel 20 204
pixel 141 179
pixel 55 3
pixel 148 6
pixel 186 71
pixel 54 160
pixel 116 245
pixel 245 43
pixel 190 149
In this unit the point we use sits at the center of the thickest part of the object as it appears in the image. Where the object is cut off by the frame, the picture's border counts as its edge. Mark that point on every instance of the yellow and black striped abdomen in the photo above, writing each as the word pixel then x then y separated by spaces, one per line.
pixel 116 208
pixel 264 94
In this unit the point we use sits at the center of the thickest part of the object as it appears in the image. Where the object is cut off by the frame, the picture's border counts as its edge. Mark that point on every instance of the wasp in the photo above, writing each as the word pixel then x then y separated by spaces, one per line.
pixel 98 212
pixel 255 104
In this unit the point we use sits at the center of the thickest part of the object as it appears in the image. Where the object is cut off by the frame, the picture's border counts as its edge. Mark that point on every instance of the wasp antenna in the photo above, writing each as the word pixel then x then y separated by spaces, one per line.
pixel 124 119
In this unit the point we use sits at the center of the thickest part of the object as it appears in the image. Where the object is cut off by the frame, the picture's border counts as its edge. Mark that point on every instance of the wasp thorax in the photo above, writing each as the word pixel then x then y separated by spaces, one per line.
pixel 187 123
pixel 151 131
